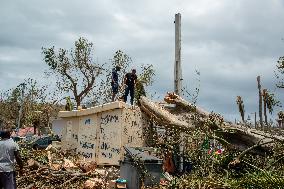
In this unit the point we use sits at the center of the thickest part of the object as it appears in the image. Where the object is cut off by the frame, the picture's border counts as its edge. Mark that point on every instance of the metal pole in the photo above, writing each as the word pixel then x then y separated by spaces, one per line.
pixel 177 70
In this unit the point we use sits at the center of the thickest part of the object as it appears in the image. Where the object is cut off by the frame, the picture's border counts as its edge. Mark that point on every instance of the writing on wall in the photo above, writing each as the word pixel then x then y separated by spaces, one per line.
pixel 132 129
pixel 110 136
pixel 75 137
pixel 87 137
pixel 109 119
pixel 88 121
pixel 88 155
pixel 111 153
pixel 87 145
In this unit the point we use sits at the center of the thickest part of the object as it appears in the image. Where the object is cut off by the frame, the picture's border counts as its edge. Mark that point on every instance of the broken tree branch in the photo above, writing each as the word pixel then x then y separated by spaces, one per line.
pixel 238 158
pixel 173 98
pixel 167 118
pixel 242 137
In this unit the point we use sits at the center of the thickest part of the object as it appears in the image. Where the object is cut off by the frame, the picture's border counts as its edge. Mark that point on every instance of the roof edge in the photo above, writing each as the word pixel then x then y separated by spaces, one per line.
pixel 94 110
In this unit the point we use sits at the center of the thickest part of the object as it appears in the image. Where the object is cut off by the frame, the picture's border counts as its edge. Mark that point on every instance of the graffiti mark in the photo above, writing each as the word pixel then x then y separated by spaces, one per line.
pixel 88 121
pixel 109 118
pixel 125 131
pixel 105 146
pixel 87 145
pixel 130 139
pixel 88 137
pixel 86 154
pixel 75 137
pixel 102 130
pixel 133 123
pixel 84 136
pixel 115 150
pixel 106 155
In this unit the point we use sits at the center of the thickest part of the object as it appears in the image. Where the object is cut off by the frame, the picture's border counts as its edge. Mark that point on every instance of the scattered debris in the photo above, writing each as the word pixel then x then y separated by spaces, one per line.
pixel 214 154
pixel 52 168
pixel 94 183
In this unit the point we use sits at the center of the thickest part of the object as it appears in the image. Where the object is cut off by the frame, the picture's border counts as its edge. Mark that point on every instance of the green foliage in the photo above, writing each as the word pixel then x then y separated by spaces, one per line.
pixel 279 72
pixel 254 180
pixel 75 69
pixel 145 76
pixel 139 91
pixel 271 101
pixel 35 103
pixel 192 95
pixel 212 169
pixel 261 180
pixel 49 57
pixel 103 92
pixel 38 155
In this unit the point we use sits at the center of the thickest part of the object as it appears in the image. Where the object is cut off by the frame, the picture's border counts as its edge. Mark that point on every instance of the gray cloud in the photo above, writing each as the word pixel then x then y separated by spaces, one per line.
pixel 229 42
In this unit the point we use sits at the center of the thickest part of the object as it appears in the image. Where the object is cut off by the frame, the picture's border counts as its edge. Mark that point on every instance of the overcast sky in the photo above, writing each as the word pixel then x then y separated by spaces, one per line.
pixel 229 42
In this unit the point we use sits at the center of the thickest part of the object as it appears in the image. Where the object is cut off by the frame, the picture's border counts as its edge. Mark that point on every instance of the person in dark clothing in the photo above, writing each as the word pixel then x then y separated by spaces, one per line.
pixel 130 82
pixel 114 82
pixel 9 152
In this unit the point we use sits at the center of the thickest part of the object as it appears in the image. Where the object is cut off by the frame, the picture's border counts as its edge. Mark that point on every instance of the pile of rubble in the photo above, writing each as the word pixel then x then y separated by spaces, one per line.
pixel 51 168
pixel 217 154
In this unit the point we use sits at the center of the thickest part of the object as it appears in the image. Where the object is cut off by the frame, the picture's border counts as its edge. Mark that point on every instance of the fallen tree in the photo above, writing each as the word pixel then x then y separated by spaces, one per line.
pixel 239 137
pixel 162 116
pixel 173 98
pixel 249 158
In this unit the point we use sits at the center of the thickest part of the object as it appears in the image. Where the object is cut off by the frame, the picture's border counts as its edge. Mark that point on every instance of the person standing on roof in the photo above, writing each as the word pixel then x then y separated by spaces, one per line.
pixel 114 81
pixel 130 82
pixel 9 152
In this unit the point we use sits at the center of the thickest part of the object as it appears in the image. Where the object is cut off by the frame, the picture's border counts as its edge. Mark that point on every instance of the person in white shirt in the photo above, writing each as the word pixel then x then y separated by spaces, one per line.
pixel 9 154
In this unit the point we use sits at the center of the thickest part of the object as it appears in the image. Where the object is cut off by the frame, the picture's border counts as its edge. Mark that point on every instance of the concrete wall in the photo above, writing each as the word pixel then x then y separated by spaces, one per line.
pixel 70 134
pixel 58 126
pixel 100 133
pixel 110 138
pixel 132 127
pixel 87 136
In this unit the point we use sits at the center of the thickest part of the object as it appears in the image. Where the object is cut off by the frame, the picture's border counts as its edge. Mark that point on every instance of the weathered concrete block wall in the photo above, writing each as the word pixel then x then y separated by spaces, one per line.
pixel 87 136
pixel 133 127
pixel 100 133
pixel 110 139
pixel 70 134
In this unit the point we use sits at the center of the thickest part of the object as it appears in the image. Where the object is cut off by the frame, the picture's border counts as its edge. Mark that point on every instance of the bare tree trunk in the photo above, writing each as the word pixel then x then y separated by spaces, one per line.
pixel 255 120
pixel 78 101
pixel 260 101
pixel 264 106
pixel 241 107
